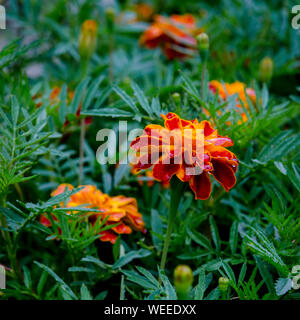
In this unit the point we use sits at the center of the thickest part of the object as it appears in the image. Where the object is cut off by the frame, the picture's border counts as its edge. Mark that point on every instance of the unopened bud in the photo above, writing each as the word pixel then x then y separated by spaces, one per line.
pixel 183 279
pixel 266 69
pixel 110 19
pixel 202 13
pixel 203 42
pixel 87 39
pixel 176 97
pixel 223 284
pixel 126 81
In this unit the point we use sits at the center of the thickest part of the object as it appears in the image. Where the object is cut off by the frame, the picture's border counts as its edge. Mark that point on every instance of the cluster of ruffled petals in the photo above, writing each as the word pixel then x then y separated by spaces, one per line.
pixel 118 210
pixel 239 88
pixel 175 35
pixel 155 145
pixel 143 11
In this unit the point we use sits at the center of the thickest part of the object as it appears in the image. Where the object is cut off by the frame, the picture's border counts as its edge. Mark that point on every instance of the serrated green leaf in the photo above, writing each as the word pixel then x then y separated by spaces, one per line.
pixel 128 257
pixel 84 293
pixel 283 285
pixel 215 233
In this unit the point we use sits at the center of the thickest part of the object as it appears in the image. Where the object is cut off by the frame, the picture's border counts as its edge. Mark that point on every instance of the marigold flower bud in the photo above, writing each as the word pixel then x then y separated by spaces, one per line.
pixel 266 69
pixel 110 19
pixel 183 279
pixel 176 97
pixel 203 42
pixel 223 284
pixel 87 39
pixel 202 13
pixel 126 81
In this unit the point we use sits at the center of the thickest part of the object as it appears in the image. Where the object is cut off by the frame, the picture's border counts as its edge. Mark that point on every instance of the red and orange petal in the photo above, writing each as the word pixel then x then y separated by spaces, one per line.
pixel 61 188
pixel 166 184
pixel 54 93
pixel 89 195
pixel 122 228
pixel 45 221
pixel 174 35
pixel 201 186
pixel 229 89
pixel 107 235
pixel 149 178
pixel 251 94
pixel 187 20
pixel 152 37
pixel 217 161
pixel 224 173
pixel 144 11
pixel 113 215
pixel 165 172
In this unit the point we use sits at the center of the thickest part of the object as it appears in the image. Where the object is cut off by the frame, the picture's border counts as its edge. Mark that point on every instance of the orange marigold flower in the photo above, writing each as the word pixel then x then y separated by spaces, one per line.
pixel 228 89
pixel 143 11
pixel 155 145
pixel 118 209
pixel 175 35
pixel 54 96
pixel 54 93
pixel 54 100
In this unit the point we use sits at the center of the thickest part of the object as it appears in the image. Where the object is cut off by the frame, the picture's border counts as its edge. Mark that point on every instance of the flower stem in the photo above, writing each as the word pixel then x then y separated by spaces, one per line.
pixel 110 59
pixel 10 246
pixel 20 192
pixel 122 289
pixel 84 69
pixel 177 188
pixel 203 74
pixel 81 150
pixel 203 47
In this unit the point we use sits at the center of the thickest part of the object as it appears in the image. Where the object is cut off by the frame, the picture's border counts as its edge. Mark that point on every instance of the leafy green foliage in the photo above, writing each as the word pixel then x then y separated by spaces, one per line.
pixel 249 236
pixel 22 138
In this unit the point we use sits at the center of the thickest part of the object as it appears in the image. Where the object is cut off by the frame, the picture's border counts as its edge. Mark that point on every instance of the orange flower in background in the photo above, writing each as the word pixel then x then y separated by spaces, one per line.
pixel 143 11
pixel 228 89
pixel 118 209
pixel 54 95
pixel 55 100
pixel 176 35
pixel 215 161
